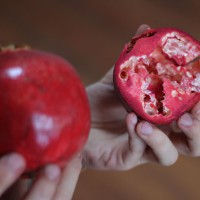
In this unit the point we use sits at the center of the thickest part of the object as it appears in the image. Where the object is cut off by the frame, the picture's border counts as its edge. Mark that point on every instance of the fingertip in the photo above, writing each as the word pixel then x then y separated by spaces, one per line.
pixel 52 172
pixel 185 120
pixel 144 128
pixel 11 168
pixel 142 28
pixel 131 119
pixel 14 161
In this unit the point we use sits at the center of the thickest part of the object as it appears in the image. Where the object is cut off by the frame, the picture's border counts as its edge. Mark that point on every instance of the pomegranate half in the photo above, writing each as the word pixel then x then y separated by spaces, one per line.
pixel 158 74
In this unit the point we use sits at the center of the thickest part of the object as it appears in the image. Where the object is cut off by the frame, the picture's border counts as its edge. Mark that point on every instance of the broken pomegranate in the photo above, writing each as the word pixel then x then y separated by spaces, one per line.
pixel 158 74
pixel 44 111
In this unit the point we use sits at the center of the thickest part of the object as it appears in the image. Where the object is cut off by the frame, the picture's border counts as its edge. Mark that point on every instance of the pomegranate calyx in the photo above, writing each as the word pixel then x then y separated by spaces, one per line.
pixel 13 47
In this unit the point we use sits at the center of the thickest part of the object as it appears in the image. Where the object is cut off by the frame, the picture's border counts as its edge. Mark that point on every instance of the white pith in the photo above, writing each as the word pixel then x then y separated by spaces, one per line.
pixel 175 48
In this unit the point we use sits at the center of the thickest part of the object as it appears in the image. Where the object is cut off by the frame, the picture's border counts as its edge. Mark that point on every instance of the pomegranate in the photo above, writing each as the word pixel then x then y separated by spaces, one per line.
pixel 158 74
pixel 44 110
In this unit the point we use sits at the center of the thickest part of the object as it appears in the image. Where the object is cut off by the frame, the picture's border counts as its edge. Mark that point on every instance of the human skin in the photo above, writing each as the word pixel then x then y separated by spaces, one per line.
pixel 119 141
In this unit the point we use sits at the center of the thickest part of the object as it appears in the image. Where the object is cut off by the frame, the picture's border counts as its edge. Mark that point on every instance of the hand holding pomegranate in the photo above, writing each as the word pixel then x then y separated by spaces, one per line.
pixel 51 182
pixel 44 119
pixel 119 141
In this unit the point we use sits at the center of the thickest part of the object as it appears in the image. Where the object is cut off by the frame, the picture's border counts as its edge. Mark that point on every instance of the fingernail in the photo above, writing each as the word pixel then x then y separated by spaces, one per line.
pixel 146 128
pixel 14 161
pixel 52 172
pixel 186 120
pixel 133 119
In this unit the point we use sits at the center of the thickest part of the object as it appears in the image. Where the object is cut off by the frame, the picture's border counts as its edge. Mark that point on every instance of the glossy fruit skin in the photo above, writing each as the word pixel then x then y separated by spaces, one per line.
pixel 152 76
pixel 44 110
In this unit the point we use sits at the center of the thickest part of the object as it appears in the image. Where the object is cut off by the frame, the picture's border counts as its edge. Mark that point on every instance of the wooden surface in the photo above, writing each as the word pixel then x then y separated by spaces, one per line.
pixel 91 34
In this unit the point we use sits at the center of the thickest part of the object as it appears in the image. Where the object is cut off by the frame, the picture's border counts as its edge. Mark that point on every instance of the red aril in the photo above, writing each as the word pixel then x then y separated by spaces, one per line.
pixel 44 111
pixel 158 74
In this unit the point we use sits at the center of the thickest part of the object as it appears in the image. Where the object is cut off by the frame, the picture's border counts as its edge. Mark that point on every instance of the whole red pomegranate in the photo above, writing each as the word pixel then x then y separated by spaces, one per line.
pixel 158 74
pixel 44 111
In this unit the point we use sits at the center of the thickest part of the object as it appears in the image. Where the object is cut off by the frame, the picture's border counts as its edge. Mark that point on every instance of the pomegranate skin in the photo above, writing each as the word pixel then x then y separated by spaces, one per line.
pixel 154 77
pixel 44 110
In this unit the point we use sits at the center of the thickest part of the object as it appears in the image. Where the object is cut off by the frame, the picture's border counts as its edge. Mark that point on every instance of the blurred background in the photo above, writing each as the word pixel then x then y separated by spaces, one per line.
pixel 91 34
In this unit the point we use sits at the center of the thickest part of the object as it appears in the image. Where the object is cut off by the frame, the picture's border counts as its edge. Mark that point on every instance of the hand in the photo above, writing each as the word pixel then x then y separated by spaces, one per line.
pixel 52 182
pixel 118 141
pixel 185 133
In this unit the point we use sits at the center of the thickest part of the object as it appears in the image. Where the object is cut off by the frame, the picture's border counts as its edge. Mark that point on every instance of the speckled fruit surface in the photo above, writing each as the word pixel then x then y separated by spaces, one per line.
pixel 44 110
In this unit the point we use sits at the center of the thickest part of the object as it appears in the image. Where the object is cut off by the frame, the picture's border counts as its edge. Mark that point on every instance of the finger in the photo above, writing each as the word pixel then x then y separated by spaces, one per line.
pixel 45 185
pixel 69 179
pixel 160 144
pixel 135 148
pixel 190 125
pixel 11 167
pixel 141 29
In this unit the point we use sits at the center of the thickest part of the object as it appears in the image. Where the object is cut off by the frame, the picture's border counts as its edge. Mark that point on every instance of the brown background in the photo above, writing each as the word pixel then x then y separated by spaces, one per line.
pixel 91 34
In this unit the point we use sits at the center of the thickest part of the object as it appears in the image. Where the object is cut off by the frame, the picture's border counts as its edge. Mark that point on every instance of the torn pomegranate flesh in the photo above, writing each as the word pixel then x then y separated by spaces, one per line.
pixel 161 76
